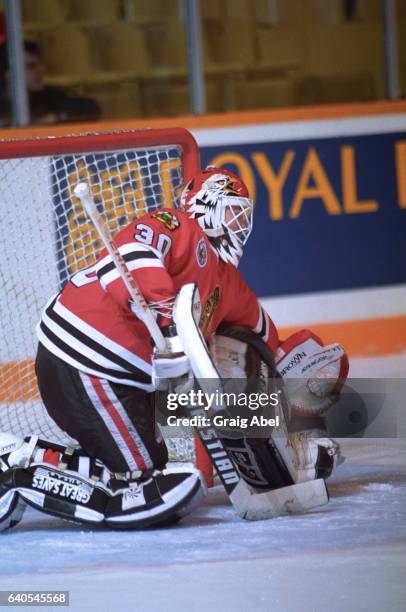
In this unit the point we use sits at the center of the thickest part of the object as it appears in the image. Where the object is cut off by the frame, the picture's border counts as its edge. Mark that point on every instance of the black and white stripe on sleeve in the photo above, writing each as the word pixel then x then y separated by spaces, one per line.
pixel 262 326
pixel 135 255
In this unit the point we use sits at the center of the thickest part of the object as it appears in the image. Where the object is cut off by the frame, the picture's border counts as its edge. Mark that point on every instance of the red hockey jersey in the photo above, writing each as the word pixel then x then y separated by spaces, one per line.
pixel 90 324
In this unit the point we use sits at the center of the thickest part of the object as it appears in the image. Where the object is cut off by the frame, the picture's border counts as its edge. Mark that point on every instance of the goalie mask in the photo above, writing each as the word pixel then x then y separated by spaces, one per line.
pixel 219 201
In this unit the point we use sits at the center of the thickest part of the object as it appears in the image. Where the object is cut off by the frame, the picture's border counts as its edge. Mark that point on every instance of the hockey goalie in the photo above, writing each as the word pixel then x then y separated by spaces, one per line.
pixel 97 371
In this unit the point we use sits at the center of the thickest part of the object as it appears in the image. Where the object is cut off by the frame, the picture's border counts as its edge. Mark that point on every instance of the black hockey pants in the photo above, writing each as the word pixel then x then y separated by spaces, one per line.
pixel 111 422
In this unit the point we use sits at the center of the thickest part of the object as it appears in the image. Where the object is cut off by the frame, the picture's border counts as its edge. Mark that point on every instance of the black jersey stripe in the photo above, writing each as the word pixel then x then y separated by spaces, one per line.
pixel 88 341
pixel 108 267
pixel 94 345
pixel 88 363
pixel 262 333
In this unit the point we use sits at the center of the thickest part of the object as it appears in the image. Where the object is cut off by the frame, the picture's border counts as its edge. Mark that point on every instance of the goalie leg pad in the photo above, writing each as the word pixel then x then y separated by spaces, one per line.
pixel 258 462
pixel 60 493
pixel 55 479
pixel 247 501
pixel 240 353
pixel 12 507
pixel 66 483
pixel 308 454
pixel 158 501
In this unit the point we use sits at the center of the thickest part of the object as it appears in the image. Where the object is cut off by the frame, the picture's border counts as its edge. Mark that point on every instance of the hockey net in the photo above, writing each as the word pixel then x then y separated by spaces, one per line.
pixel 46 237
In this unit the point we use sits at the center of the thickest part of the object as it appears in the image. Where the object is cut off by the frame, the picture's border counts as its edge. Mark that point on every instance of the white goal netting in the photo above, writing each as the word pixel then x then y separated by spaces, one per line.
pixel 46 237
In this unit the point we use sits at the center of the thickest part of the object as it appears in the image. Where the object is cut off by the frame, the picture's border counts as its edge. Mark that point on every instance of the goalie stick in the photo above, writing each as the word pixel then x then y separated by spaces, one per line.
pixel 248 503
pixel 82 191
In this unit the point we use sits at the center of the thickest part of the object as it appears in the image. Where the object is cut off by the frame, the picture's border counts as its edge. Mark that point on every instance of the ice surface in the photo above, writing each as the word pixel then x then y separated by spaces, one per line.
pixel 348 555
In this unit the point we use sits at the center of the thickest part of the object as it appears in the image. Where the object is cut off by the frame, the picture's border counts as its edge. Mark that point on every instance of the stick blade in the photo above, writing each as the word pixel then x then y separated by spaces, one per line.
pixel 294 499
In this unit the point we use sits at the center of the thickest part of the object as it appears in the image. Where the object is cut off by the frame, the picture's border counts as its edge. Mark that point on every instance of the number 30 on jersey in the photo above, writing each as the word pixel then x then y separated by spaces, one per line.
pixel 145 235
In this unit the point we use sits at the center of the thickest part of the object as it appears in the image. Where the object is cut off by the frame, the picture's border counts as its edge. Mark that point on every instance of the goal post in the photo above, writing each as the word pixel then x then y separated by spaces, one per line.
pixel 46 236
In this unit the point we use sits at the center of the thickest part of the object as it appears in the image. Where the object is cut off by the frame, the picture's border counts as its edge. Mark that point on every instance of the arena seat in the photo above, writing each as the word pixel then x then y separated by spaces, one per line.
pixel 228 9
pixel 68 55
pixel 230 42
pixel 43 14
pixel 166 44
pixel 279 46
pixel 347 49
pixel 118 101
pixel 265 93
pixel 237 9
pixel 169 97
pixel 211 9
pixel 156 11
pixel 335 89
pixel 299 12
pixel 368 10
pixel 121 50
pixel 93 12
pixel 165 97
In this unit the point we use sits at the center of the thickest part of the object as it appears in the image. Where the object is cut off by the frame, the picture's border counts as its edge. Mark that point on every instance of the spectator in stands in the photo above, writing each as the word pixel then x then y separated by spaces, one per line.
pixel 47 104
